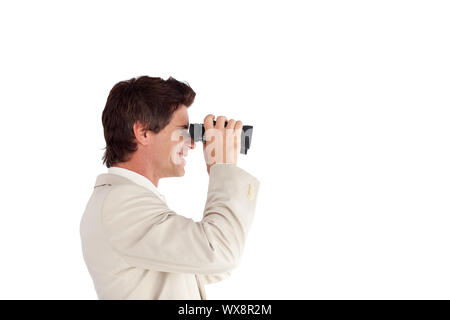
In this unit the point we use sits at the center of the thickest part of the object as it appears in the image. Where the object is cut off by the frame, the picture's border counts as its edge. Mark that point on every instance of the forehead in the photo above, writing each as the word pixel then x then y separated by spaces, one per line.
pixel 180 116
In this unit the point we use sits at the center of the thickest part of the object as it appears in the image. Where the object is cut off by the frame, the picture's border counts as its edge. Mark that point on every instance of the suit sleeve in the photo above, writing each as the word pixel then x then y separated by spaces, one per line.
pixel 147 234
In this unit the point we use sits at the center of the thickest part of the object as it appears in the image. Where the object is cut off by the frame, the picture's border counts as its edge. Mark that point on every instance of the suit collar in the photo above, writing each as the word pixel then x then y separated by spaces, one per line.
pixel 118 175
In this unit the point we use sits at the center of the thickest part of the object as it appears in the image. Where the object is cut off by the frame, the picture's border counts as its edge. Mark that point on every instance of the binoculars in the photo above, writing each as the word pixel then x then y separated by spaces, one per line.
pixel 197 133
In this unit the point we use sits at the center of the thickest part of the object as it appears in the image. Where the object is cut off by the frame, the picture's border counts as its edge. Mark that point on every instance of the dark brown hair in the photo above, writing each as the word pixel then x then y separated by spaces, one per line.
pixel 148 100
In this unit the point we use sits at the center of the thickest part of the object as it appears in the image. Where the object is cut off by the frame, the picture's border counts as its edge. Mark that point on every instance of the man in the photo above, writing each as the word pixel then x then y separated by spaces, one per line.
pixel 134 245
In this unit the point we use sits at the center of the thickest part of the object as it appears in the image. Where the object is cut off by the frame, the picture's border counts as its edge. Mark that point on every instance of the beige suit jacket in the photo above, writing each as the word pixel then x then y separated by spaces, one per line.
pixel 136 247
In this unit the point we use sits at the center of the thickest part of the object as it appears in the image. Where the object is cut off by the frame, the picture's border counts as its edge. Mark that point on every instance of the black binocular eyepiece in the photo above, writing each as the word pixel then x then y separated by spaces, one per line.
pixel 197 133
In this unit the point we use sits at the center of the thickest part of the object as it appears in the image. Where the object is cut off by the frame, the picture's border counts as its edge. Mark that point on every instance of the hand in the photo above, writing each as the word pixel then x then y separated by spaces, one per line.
pixel 223 144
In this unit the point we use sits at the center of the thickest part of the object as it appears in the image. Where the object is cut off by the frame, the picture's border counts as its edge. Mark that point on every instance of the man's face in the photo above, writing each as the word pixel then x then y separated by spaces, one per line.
pixel 170 146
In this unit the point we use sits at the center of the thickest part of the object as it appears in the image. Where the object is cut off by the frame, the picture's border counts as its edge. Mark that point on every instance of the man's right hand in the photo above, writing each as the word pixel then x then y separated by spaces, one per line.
pixel 223 144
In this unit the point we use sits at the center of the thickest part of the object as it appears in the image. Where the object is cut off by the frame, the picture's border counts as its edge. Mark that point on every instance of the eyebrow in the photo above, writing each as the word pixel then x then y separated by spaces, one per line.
pixel 185 126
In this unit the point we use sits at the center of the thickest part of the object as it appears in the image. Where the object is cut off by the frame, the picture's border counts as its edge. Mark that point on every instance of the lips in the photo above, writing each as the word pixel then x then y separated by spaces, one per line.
pixel 183 153
pixel 182 157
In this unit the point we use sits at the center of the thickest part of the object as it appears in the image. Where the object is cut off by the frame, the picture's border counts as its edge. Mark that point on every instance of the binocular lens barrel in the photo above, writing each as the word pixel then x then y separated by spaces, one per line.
pixel 197 133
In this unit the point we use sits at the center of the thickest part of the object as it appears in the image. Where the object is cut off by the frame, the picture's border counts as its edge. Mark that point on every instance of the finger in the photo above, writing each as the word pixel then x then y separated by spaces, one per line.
pixel 220 122
pixel 208 121
pixel 231 124
pixel 238 126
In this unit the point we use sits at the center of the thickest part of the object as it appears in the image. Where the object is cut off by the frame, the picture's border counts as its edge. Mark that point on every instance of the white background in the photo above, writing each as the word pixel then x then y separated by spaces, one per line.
pixel 350 106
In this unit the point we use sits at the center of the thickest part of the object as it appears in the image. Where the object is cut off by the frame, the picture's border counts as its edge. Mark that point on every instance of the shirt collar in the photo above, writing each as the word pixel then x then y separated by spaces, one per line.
pixel 136 178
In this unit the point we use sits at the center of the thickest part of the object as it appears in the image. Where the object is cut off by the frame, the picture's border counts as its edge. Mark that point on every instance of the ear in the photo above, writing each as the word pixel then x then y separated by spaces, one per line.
pixel 142 135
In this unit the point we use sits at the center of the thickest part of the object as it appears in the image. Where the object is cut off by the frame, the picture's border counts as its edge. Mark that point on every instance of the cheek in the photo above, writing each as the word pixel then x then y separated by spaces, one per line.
pixel 172 150
pixel 176 146
pixel 174 142
pixel 168 148
pixel 160 150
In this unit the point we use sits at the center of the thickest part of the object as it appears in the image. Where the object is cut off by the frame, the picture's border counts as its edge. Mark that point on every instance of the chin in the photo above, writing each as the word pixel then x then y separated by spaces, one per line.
pixel 180 171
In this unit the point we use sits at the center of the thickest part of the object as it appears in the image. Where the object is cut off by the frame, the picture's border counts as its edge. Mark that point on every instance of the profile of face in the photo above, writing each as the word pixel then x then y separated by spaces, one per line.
pixel 166 150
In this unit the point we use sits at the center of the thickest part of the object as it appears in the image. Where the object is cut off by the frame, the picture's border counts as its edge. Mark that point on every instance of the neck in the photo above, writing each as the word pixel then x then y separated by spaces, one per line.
pixel 147 172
